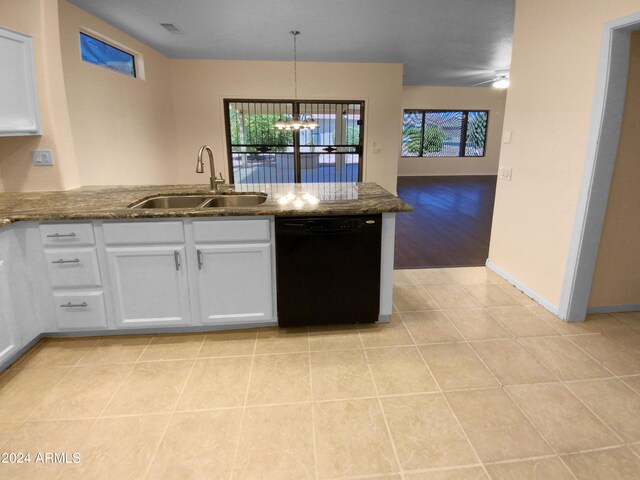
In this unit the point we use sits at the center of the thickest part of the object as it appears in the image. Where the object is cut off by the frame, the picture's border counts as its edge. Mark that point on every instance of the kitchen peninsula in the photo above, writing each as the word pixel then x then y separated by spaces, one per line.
pixel 84 262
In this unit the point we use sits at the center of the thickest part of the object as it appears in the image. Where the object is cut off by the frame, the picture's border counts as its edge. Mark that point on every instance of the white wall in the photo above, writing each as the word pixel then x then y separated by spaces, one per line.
pixel 457 98
pixel 556 46
pixel 200 86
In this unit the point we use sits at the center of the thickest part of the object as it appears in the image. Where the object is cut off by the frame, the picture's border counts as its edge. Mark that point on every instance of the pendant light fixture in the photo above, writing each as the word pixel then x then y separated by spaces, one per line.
pixel 296 121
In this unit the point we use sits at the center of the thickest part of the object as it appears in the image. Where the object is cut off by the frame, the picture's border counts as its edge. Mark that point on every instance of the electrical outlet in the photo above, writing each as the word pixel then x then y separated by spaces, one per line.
pixel 41 158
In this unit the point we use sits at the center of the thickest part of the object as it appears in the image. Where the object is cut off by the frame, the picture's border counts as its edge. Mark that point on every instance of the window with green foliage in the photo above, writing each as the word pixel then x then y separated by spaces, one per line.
pixel 444 133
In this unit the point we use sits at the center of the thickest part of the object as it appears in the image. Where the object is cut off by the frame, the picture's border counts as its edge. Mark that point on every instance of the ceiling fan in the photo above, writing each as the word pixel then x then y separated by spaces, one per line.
pixel 501 80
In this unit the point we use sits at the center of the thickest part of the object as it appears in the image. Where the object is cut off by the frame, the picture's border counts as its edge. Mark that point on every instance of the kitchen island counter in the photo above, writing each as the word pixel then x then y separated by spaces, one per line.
pixel 113 202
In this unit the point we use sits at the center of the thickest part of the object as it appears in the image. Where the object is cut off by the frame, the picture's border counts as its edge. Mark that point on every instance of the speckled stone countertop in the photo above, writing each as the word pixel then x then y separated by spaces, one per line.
pixel 113 202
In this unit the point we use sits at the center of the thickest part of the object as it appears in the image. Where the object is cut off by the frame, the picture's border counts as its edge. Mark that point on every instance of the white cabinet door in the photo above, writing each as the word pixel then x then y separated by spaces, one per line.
pixel 18 99
pixel 149 285
pixel 8 334
pixel 234 283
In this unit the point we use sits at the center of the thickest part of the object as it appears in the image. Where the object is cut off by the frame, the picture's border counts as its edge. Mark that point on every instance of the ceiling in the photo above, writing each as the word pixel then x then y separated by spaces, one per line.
pixel 440 42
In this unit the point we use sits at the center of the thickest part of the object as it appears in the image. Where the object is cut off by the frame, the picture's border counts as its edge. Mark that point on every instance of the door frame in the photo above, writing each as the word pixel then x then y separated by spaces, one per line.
pixel 602 146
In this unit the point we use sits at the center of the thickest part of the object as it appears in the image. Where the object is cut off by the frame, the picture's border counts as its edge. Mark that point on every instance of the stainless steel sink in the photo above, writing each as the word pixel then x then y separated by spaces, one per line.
pixel 172 201
pixel 236 200
pixel 200 201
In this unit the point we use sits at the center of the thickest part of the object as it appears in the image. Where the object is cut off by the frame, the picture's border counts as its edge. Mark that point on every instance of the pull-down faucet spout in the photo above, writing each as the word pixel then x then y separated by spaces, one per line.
pixel 200 168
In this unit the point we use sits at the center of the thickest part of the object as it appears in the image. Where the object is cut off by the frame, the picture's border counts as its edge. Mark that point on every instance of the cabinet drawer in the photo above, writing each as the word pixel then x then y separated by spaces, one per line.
pixel 66 234
pixel 80 310
pixel 223 230
pixel 73 268
pixel 136 233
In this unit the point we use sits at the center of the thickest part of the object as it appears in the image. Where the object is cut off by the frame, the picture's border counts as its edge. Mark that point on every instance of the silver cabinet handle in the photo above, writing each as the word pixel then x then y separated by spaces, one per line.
pixel 69 304
pixel 75 260
pixel 176 257
pixel 200 259
pixel 59 235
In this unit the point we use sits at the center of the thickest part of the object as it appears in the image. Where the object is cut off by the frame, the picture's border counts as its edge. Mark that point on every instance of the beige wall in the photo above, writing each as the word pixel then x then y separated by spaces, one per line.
pixel 200 86
pixel 39 18
pixel 457 98
pixel 556 47
pixel 616 280
pixel 123 127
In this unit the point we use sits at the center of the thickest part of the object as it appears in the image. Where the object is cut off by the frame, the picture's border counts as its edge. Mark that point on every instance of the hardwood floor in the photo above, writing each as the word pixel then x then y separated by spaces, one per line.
pixel 450 224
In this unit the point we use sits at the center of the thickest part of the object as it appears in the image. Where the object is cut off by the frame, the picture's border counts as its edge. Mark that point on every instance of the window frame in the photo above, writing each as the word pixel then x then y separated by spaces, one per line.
pixel 463 132
pixel 138 62
pixel 296 103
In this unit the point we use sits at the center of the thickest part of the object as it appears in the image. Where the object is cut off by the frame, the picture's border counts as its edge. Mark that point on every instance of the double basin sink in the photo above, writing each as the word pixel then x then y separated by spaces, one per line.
pixel 202 201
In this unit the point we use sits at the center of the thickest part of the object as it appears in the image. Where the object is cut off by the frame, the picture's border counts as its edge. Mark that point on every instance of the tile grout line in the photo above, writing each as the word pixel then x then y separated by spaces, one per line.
pixel 144 349
pixel 526 417
pixel 446 400
pixel 564 384
pixel 244 408
pixel 384 415
pixel 466 289
pixel 313 419
pixel 172 413
pixel 502 387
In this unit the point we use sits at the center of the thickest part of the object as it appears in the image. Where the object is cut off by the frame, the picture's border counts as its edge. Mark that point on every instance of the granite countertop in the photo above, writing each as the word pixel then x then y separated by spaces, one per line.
pixel 112 202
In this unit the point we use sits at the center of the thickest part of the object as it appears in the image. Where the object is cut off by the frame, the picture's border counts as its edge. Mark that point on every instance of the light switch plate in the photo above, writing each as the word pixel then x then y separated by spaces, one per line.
pixel 506 136
pixel 41 158
pixel 505 173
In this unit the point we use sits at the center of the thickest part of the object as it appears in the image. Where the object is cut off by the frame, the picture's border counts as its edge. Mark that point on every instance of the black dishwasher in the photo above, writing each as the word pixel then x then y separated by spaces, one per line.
pixel 328 269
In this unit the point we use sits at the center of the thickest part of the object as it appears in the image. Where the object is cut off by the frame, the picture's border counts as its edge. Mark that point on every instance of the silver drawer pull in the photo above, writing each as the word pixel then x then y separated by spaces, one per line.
pixel 69 304
pixel 200 260
pixel 75 260
pixel 176 257
pixel 59 235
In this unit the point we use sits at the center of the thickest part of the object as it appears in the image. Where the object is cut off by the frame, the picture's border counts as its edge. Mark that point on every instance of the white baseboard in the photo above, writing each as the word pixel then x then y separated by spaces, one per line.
pixel 526 290
pixel 633 307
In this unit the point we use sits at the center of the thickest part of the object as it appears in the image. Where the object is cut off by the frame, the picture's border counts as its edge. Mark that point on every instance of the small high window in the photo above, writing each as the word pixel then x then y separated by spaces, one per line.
pixel 444 133
pixel 104 55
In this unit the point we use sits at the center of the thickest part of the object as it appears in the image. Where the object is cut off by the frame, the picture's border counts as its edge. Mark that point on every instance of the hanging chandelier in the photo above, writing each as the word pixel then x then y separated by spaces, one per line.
pixel 296 121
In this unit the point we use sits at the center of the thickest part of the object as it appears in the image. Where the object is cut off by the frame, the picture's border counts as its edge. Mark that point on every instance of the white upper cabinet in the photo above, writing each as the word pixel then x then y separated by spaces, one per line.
pixel 18 99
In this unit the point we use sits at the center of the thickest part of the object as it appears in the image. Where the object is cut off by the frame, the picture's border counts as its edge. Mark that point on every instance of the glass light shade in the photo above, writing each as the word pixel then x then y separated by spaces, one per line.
pixel 280 124
pixel 502 82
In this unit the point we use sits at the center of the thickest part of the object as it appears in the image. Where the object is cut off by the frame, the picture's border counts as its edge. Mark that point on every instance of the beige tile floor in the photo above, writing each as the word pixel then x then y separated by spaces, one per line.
pixel 470 380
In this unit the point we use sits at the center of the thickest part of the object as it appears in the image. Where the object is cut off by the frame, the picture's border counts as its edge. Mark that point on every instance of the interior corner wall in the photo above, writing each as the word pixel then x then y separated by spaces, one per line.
pixel 200 87
pixel 556 47
pixel 123 127
pixel 39 18
pixel 616 281
pixel 457 98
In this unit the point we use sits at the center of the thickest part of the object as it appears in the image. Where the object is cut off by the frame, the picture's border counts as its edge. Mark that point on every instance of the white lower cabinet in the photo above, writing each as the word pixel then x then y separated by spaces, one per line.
pixel 8 334
pixel 233 283
pixel 149 286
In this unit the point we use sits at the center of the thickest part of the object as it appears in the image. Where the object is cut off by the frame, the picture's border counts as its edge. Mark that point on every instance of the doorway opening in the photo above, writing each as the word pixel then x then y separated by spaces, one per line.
pixel 602 149
pixel 443 151
pixel 450 224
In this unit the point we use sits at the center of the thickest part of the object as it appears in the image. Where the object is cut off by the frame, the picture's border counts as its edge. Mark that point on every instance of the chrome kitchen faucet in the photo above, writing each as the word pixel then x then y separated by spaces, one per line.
pixel 200 168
